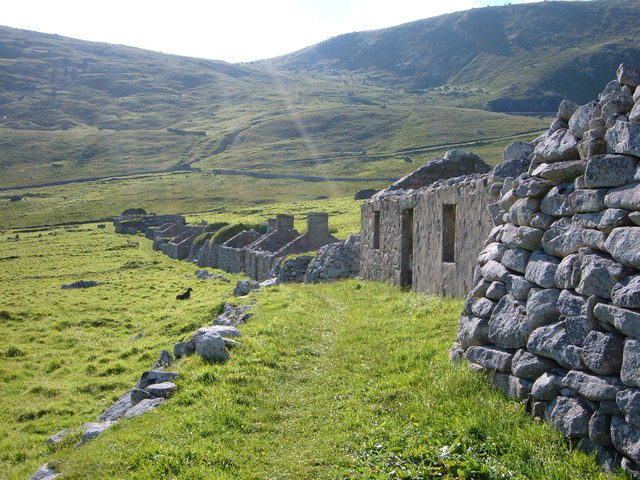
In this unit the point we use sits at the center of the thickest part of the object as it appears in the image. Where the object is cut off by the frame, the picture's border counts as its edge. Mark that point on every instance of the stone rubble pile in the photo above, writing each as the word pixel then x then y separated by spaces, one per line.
pixel 332 262
pixel 554 317
pixel 335 261
pixel 156 385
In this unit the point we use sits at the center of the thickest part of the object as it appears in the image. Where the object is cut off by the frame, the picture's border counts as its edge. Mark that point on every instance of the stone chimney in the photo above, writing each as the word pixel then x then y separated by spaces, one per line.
pixel 271 225
pixel 318 224
pixel 284 222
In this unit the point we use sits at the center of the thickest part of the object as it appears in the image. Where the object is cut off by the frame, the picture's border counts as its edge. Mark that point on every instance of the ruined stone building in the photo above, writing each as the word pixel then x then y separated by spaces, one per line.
pixel 425 230
pixel 248 251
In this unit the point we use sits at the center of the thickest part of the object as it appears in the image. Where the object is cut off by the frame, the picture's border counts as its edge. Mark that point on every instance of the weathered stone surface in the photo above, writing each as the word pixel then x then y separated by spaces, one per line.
pixel 627 197
pixel 610 407
pixel 482 307
pixel 510 385
pixel 533 187
pixel 456 354
pixel 593 387
pixel 560 145
pixel 518 287
pixel 600 429
pixel 507 200
pixel 578 327
pixel 605 220
pixel 226 331
pixel 630 467
pixel 211 347
pixel 626 293
pixel 45 472
pixel 496 213
pixel 629 403
pixel 626 321
pixel 624 138
pixel 493 251
pixel 630 370
pixel 164 359
pixel 164 389
pixel 566 110
pixel 560 171
pixel 496 291
pixel 551 341
pixel 570 416
pixel 602 352
pixel 495 235
pixel 60 437
pixel 542 308
pixel 515 161
pixel 124 403
pixel 527 365
pixel 155 376
pixel 184 349
pixel 628 75
pixel 542 220
pixel 491 358
pixel 516 259
pixel 93 429
pixel 565 237
pixel 579 122
pixel 599 275
pixel 590 147
pixel 524 237
pixel 571 304
pixel 610 170
pixel 547 386
pixel 554 202
pixel 245 287
pixel 633 216
pixel 584 201
pixel 634 115
pixel 622 244
pixel 541 269
pixel 508 326
pixel 568 272
pixel 493 271
pixel 625 437
pixel 523 210
pixel 143 407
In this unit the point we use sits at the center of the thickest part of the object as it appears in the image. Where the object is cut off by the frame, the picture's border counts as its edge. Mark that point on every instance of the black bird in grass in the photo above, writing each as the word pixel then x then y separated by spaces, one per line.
pixel 186 295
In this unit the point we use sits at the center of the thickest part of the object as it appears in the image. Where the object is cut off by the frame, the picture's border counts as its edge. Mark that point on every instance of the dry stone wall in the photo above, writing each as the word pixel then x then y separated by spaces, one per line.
pixel 554 313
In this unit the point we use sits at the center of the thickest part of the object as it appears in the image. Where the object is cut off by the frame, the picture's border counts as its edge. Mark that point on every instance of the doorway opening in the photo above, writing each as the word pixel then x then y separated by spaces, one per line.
pixel 406 262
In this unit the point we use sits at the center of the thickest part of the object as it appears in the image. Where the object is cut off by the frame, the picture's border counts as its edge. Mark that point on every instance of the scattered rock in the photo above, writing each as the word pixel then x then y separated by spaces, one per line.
pixel 211 347
pixel 245 287
pixel 81 284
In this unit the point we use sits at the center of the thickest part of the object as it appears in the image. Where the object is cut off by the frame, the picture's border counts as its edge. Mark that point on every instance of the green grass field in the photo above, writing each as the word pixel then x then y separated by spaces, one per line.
pixel 346 380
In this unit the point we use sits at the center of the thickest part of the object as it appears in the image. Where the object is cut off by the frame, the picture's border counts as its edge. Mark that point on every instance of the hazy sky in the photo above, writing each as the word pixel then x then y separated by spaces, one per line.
pixel 231 30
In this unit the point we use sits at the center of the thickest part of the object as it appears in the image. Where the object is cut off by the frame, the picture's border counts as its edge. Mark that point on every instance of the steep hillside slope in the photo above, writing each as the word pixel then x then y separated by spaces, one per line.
pixel 527 56
pixel 74 109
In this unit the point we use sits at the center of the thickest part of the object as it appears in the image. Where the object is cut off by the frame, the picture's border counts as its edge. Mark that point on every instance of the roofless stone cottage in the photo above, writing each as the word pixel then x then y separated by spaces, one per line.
pixel 425 230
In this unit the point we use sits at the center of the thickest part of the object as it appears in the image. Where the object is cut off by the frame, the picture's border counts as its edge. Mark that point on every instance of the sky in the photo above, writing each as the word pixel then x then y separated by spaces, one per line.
pixel 231 30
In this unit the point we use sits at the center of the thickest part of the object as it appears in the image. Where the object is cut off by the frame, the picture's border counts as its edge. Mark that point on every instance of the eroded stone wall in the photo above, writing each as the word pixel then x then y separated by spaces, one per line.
pixel 554 314
pixel 468 199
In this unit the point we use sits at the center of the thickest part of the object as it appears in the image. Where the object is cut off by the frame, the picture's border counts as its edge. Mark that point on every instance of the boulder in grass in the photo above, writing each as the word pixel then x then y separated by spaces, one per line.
pixel 211 347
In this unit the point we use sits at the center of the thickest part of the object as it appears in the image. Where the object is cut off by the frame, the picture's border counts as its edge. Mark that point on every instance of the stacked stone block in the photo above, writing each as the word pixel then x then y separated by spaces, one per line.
pixel 554 315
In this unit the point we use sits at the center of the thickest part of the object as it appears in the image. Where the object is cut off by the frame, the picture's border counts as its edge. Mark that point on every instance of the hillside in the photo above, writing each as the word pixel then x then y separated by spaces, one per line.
pixel 515 57
pixel 76 110
pixel 344 380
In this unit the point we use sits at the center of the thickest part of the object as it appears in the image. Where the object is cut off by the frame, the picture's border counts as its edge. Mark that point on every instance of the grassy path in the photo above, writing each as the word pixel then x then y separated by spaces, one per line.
pixel 349 380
